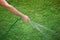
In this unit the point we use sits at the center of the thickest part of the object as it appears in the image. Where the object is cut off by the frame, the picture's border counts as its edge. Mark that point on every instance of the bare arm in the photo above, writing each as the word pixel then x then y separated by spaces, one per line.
pixel 11 8
pixel 14 10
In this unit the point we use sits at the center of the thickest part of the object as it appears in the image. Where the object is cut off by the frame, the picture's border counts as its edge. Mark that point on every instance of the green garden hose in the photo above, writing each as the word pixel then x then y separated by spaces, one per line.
pixel 6 33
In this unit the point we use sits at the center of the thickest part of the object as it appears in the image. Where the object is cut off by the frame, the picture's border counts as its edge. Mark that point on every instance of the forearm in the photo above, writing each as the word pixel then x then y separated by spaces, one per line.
pixel 14 10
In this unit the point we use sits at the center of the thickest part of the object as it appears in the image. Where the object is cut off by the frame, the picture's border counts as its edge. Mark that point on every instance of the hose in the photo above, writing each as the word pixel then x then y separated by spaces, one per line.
pixel 6 33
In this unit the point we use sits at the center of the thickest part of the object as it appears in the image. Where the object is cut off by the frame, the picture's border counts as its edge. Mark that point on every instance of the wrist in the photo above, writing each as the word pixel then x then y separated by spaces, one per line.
pixel 22 15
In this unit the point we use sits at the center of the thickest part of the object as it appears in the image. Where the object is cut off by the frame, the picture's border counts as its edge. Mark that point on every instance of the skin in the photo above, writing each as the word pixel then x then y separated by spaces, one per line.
pixel 9 7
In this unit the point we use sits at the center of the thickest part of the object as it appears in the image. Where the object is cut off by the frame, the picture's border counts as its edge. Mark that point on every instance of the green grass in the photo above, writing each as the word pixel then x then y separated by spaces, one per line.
pixel 45 12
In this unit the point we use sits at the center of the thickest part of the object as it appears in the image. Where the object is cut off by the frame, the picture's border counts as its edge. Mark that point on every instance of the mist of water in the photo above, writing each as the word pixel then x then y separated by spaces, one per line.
pixel 41 29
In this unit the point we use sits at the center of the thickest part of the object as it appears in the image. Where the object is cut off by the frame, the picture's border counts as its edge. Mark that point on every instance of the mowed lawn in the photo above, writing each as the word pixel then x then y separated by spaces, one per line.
pixel 44 12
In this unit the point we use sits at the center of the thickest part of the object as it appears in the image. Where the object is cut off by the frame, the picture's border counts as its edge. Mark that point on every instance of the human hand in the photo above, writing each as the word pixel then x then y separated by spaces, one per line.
pixel 25 18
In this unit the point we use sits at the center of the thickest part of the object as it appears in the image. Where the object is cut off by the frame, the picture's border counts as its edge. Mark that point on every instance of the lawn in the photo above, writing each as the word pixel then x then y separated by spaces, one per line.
pixel 44 12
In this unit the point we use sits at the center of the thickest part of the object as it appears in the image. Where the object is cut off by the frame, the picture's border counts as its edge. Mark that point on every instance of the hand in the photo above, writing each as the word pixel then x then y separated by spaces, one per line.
pixel 25 18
